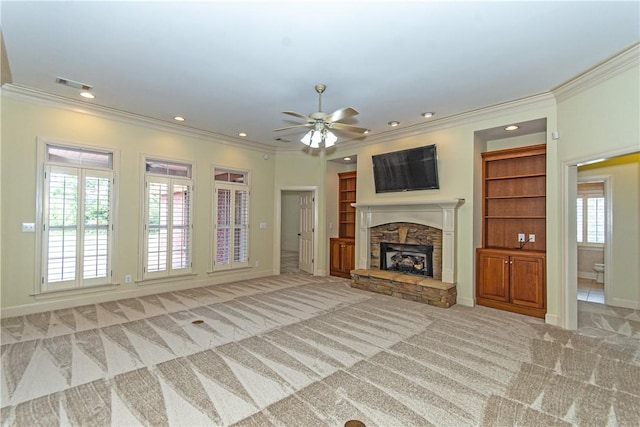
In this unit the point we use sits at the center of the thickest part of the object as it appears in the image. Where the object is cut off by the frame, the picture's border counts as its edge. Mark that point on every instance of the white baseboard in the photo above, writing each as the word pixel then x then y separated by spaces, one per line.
pixel 551 319
pixel 467 302
pixel 96 298
pixel 624 303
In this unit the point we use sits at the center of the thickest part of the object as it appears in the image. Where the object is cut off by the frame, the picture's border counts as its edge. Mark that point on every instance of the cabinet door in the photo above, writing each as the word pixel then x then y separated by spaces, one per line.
pixel 493 276
pixel 348 257
pixel 335 256
pixel 528 281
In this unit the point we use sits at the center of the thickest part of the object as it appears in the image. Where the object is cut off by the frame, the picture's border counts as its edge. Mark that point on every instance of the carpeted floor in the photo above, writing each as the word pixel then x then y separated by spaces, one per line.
pixel 297 350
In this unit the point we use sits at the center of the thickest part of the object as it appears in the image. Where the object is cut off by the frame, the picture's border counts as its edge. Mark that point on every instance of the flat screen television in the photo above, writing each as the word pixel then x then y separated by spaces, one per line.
pixel 406 170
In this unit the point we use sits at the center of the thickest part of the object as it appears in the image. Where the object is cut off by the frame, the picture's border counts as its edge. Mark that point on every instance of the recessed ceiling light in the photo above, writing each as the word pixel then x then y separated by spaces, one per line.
pixel 512 127
pixel 366 131
pixel 87 94
pixel 243 134
pixel 179 118
pixel 428 114
pixel 393 123
pixel 346 159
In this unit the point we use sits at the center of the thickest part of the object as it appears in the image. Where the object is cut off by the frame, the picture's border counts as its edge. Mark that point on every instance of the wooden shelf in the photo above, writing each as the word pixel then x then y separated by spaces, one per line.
pixel 347 182
pixel 342 249
pixel 529 175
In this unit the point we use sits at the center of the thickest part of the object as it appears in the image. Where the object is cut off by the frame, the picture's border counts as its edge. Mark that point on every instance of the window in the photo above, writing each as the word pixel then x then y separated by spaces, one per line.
pixel 231 220
pixel 591 214
pixel 77 218
pixel 168 219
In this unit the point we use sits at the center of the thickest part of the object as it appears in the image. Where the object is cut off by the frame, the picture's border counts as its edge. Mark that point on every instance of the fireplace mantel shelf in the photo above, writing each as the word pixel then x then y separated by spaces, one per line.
pixel 452 203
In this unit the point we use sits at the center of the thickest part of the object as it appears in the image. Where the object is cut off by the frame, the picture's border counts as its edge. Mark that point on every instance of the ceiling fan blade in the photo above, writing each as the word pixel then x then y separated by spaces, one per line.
pixel 298 115
pixel 340 114
pixel 348 128
pixel 304 125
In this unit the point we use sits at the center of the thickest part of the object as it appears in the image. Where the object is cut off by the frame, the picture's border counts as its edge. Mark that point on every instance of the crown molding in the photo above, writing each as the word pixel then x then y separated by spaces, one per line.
pixel 542 100
pixel 605 70
pixel 22 93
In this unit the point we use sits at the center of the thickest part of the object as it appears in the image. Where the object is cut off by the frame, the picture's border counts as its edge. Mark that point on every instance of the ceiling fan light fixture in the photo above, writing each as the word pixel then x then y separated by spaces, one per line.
pixel 329 139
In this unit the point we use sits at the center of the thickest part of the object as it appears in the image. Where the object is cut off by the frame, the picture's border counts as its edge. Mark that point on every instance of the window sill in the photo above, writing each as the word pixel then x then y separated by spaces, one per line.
pixel 591 247
pixel 75 291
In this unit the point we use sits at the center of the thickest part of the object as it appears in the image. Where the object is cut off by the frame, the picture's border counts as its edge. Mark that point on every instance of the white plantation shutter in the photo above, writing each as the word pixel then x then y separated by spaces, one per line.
pixel 157 213
pixel 591 213
pixel 223 227
pixel 77 227
pixel 595 220
pixel 181 230
pixel 580 219
pixel 231 220
pixel 168 226
pixel 241 226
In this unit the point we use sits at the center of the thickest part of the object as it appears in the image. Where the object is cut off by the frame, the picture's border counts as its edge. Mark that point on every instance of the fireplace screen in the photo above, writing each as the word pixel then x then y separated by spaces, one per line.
pixel 405 258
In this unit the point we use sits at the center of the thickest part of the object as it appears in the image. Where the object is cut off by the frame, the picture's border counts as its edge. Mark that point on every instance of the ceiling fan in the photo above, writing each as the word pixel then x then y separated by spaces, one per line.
pixel 321 123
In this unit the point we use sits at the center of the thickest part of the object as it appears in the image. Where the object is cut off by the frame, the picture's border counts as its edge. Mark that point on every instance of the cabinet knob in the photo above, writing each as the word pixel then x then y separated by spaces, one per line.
pixel 506 262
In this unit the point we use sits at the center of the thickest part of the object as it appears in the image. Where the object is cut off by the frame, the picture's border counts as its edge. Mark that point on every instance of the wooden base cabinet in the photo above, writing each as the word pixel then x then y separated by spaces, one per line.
pixel 342 256
pixel 512 280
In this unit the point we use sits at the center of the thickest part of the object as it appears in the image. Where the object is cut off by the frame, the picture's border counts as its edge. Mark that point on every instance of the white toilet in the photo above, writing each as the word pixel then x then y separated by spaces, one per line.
pixel 599 269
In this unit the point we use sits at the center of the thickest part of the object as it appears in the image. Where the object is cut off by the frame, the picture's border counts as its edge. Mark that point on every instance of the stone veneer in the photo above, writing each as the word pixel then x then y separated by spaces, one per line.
pixel 405 286
pixel 407 233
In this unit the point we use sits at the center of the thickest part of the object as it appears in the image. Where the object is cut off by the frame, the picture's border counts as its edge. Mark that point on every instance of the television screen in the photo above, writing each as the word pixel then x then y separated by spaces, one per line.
pixel 406 170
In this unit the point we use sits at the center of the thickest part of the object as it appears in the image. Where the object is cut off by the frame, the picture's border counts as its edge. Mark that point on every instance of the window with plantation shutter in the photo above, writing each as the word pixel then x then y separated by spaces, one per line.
pixel 168 219
pixel 231 220
pixel 77 212
pixel 591 213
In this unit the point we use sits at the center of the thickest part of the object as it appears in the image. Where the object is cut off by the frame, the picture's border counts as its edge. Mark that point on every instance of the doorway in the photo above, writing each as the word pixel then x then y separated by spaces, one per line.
pixel 621 272
pixel 297 222
pixel 594 207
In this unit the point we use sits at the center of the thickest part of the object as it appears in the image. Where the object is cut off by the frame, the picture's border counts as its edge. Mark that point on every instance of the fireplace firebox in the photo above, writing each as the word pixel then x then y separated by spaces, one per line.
pixel 407 258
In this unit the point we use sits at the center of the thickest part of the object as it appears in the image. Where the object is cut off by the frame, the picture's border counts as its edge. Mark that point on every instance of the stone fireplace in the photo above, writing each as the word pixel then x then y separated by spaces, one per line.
pixel 418 240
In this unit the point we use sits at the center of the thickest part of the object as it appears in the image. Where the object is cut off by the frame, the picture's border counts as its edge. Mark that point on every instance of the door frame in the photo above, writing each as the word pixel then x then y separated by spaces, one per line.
pixel 568 303
pixel 278 224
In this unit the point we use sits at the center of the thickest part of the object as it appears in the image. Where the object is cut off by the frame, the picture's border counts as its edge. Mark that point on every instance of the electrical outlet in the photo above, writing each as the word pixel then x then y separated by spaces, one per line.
pixel 521 237
pixel 28 227
pixel 257 264
pixel 128 278
pixel 532 238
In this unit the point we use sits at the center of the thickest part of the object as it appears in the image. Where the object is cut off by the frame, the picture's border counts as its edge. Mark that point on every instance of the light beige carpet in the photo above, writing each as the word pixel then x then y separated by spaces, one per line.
pixel 296 350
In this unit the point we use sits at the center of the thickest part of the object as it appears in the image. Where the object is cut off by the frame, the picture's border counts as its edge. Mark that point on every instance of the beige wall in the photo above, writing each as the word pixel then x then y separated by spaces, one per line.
pixel 23 122
pixel 457 158
pixel 600 121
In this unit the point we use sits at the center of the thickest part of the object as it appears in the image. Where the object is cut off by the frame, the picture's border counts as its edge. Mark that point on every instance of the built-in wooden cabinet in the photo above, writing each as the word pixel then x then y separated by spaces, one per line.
pixel 342 249
pixel 510 272
pixel 346 212
pixel 513 281
pixel 342 254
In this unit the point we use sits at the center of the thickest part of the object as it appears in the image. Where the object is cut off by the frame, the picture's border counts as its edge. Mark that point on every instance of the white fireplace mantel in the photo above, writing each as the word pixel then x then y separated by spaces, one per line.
pixel 434 213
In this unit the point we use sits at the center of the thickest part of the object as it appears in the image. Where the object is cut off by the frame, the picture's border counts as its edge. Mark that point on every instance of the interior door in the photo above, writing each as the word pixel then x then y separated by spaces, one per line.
pixel 305 254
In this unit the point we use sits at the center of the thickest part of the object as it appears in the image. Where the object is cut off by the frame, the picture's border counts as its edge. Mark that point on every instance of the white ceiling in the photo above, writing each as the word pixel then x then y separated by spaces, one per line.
pixel 232 67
